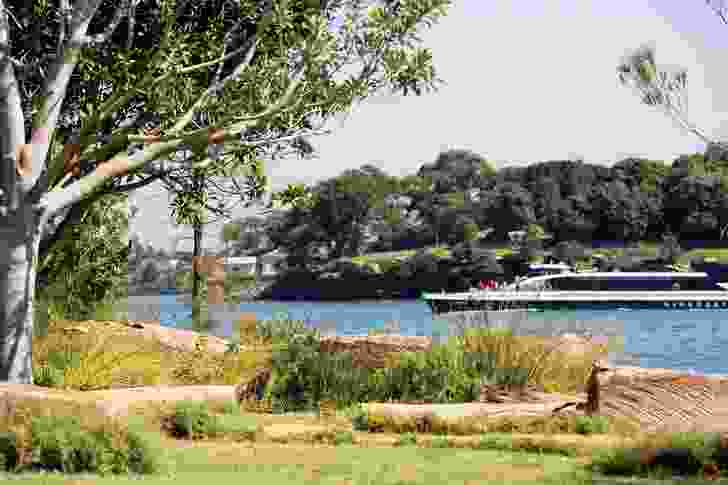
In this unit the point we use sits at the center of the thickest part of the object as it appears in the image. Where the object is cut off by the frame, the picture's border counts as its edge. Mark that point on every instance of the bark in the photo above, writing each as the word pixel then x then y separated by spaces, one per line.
pixel 19 237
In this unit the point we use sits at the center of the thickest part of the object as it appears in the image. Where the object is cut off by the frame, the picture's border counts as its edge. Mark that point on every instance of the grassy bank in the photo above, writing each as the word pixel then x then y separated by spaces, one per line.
pixel 289 442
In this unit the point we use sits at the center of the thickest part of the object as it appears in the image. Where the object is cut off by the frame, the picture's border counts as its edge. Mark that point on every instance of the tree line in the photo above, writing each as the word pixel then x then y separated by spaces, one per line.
pixel 461 197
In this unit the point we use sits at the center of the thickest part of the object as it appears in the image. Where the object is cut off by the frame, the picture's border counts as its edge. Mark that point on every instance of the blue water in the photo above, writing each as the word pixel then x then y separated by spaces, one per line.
pixel 686 339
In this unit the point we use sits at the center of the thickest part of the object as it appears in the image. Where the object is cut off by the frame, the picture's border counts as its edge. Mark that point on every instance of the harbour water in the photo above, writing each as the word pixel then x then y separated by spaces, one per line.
pixel 684 339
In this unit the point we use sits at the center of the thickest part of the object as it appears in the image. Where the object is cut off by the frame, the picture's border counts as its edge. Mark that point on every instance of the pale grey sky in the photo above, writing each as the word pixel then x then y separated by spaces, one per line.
pixel 527 81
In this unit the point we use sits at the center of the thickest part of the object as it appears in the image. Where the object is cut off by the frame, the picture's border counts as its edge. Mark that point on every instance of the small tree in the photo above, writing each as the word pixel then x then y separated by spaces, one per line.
pixel 670 251
pixel 471 231
pixel 568 252
pixel 230 233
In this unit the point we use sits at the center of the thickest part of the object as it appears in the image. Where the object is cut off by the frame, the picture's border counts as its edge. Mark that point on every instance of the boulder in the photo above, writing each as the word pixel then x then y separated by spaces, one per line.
pixel 372 351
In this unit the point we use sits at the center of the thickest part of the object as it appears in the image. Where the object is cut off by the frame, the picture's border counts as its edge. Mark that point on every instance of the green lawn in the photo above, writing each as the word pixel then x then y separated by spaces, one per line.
pixel 299 463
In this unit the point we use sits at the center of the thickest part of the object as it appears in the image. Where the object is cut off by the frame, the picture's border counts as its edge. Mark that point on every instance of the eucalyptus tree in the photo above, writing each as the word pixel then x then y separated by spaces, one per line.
pixel 667 89
pixel 662 87
pixel 58 257
pixel 300 63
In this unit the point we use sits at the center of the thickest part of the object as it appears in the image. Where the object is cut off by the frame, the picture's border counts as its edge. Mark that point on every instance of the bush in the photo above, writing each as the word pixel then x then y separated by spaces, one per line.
pixel 359 418
pixel 191 420
pixel 591 424
pixel 47 376
pixel 60 444
pixel 8 450
pixel 407 439
pixel 89 263
pixel 343 437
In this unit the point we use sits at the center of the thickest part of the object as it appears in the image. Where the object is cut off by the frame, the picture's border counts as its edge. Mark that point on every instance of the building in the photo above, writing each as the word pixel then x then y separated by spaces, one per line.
pixel 268 263
pixel 244 264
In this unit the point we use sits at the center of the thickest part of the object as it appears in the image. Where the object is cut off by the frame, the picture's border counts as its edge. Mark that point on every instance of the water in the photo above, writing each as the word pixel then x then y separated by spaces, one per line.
pixel 689 339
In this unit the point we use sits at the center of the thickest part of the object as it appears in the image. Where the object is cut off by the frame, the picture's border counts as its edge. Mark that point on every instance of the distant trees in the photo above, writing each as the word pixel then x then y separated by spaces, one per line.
pixel 366 210
pixel 568 252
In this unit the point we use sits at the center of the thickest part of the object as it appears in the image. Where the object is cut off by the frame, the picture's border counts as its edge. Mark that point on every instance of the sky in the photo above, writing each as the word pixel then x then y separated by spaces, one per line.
pixel 526 82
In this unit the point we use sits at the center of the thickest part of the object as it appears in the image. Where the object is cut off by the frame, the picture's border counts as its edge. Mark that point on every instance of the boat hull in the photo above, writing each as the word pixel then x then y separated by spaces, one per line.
pixel 589 300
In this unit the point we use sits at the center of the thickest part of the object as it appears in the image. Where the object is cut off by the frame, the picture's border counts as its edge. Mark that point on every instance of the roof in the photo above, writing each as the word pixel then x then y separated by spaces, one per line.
pixel 241 260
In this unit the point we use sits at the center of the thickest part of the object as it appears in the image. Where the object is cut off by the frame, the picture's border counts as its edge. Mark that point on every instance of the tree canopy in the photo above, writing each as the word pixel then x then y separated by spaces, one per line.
pixel 263 76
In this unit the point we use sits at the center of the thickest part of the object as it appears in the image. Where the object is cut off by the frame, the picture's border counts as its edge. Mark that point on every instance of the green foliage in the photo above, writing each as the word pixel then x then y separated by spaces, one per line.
pixel 392 215
pixel 303 376
pixel 172 80
pixel 343 437
pixel 456 200
pixel 47 376
pixel 89 264
pixel 192 419
pixel 471 231
pixel 231 232
pixel 440 252
pixel 487 169
pixel 360 418
pixel 535 232
pixel 59 443
pixel 569 252
pixel 8 450
pixel 591 424
pixel 440 442
pixel 407 439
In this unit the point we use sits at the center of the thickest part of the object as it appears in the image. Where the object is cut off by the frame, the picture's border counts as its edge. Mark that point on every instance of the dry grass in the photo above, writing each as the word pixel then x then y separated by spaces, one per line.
pixel 549 367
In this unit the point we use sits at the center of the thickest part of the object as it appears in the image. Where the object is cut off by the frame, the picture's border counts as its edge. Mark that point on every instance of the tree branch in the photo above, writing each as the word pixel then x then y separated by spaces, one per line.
pixel 249 48
pixel 100 38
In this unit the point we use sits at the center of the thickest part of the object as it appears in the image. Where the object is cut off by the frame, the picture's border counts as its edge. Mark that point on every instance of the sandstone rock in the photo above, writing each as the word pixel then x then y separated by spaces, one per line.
pixel 77 329
pixel 371 351
pixel 253 388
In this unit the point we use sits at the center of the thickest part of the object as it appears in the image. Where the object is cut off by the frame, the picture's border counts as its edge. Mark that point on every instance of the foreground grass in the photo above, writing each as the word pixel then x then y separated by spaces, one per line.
pixel 297 463
pixel 191 441
pixel 233 443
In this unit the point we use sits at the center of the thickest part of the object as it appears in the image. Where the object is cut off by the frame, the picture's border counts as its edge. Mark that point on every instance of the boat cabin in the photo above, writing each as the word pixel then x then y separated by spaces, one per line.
pixel 620 281
pixel 539 269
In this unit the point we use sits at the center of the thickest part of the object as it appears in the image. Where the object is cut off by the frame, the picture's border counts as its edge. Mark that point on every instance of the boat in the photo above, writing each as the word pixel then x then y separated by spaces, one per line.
pixel 591 290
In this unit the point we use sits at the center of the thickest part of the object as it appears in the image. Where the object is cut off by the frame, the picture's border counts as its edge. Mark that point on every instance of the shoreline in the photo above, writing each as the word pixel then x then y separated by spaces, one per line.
pixel 178 337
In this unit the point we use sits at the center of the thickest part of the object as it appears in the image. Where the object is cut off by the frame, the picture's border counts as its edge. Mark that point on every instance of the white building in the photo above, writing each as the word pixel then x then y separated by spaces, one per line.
pixel 245 264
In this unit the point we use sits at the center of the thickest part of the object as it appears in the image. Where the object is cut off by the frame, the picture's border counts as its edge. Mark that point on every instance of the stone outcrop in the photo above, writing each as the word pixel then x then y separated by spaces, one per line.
pixel 372 351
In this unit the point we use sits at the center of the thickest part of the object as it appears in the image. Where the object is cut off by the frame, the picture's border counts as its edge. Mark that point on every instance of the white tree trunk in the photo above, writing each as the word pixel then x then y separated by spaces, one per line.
pixel 19 240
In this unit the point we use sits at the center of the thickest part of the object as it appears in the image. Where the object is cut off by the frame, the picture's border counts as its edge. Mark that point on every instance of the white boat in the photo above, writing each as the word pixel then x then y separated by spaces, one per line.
pixel 664 290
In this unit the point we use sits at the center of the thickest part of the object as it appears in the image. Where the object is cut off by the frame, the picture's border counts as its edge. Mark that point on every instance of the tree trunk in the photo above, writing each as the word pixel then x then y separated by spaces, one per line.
pixel 19 240
pixel 196 251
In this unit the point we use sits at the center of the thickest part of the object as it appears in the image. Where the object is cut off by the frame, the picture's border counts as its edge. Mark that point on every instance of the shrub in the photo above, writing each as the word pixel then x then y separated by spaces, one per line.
pixel 440 442
pixel 87 361
pixel 47 376
pixel 406 439
pixel 8 450
pixel 191 420
pixel 591 424
pixel 343 437
pixel 359 418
